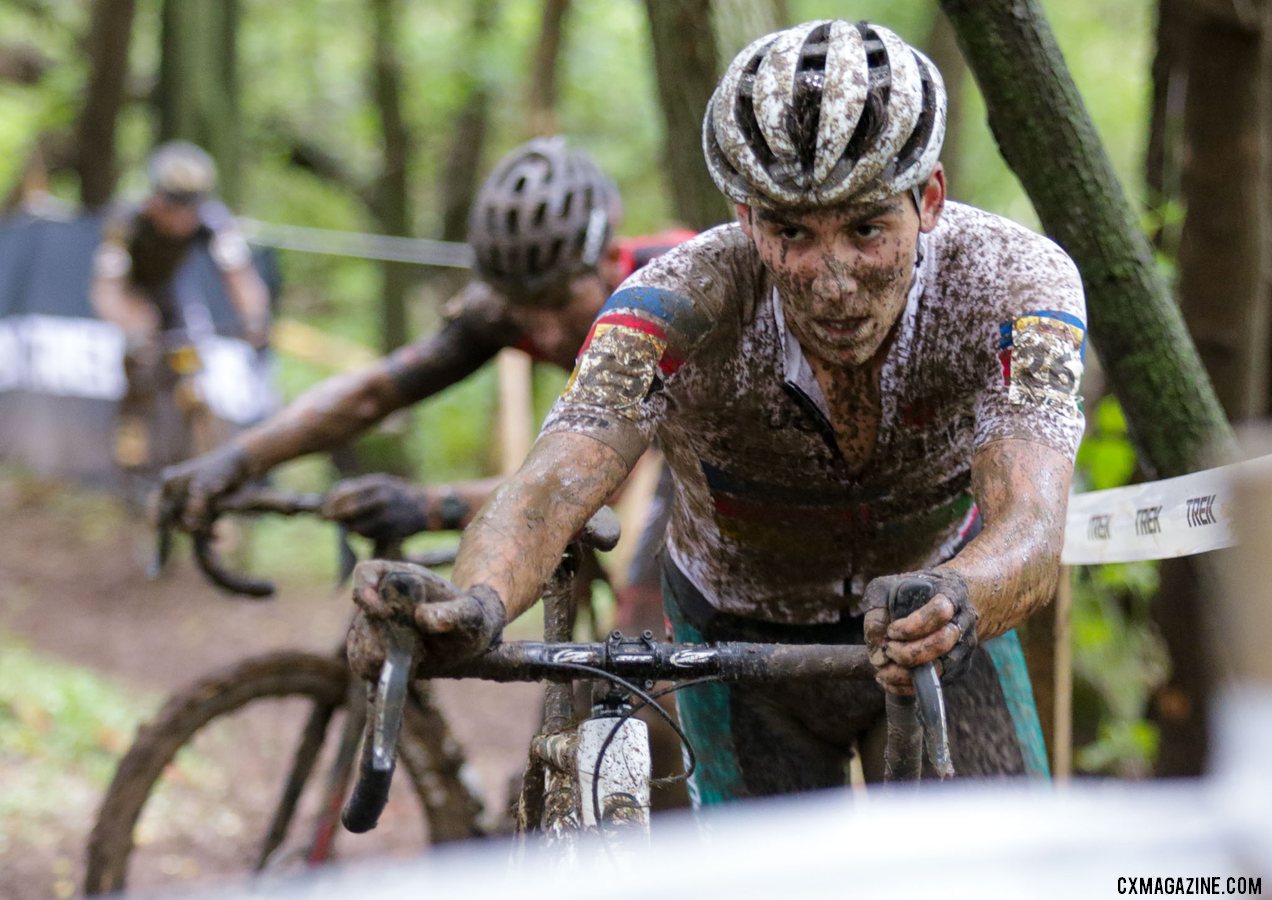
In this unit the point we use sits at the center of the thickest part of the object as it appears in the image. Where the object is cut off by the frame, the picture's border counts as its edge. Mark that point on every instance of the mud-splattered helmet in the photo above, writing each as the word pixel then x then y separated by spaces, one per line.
pixel 824 113
pixel 181 172
pixel 544 214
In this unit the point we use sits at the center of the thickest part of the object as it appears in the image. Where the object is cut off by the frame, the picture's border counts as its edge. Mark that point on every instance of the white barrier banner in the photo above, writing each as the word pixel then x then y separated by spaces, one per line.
pixel 1158 520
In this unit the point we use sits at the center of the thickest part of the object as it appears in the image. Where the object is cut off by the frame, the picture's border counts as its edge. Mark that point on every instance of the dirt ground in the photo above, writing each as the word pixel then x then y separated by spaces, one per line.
pixel 72 586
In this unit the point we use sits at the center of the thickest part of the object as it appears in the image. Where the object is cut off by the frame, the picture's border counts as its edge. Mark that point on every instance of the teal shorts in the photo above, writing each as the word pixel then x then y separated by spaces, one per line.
pixel 755 741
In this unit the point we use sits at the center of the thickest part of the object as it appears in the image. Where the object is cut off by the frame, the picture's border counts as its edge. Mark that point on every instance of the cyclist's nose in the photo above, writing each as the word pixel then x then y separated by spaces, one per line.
pixel 834 284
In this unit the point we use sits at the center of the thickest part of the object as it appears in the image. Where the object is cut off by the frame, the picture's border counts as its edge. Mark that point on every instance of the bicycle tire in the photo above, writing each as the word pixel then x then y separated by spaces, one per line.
pixel 428 753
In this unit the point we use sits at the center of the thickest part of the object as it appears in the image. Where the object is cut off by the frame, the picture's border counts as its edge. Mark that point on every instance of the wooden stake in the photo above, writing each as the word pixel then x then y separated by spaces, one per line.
pixel 516 413
pixel 1062 687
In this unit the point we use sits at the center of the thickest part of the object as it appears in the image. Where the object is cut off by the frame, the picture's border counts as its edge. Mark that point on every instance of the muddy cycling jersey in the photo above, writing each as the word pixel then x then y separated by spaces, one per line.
pixel 768 521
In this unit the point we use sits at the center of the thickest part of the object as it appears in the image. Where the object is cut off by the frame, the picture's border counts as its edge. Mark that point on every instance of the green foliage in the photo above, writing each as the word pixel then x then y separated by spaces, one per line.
pixel 305 81
pixel 1118 658
pixel 1106 458
pixel 61 732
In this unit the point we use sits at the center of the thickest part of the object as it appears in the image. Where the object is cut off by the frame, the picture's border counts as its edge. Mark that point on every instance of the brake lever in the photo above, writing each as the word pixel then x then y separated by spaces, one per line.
pixel 387 705
pixel 909 596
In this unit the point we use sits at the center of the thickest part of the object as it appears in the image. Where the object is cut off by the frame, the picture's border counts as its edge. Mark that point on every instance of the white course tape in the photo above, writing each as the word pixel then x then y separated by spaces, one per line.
pixel 1158 520
pixel 364 246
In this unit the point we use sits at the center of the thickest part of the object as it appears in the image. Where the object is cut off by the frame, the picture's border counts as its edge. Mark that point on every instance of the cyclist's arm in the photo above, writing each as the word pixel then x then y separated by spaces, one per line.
pixel 517 538
pixel 111 295
pixel 1011 567
pixel 250 299
pixel 343 407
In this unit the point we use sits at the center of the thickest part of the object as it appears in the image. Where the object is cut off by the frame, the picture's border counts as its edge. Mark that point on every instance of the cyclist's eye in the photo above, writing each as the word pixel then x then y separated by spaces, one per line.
pixel 790 232
pixel 868 231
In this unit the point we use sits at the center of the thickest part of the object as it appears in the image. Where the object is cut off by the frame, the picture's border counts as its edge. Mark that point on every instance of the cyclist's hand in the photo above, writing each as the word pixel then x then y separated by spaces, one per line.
pixel 455 624
pixel 380 507
pixel 943 630
pixel 189 488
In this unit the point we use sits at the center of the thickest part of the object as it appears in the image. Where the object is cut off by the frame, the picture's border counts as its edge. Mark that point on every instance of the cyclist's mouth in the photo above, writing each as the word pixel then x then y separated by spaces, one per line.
pixel 843 330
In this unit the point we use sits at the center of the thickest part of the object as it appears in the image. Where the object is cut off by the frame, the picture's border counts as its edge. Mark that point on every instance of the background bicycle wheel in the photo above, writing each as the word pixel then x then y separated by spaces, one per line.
pixel 208 808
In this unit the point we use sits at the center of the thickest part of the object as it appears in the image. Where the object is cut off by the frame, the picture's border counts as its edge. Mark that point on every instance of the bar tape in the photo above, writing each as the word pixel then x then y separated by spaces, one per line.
pixel 1157 520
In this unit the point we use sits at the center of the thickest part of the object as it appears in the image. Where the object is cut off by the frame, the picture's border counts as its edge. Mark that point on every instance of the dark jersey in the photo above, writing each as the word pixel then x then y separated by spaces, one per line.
pixel 132 245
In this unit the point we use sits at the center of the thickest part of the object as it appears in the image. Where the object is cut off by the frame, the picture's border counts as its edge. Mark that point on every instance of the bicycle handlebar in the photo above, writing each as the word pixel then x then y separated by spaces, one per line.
pixel 643 658
pixel 257 501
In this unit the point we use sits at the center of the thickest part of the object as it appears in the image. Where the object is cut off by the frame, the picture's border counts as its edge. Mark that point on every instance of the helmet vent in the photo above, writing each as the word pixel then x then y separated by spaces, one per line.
pixel 918 139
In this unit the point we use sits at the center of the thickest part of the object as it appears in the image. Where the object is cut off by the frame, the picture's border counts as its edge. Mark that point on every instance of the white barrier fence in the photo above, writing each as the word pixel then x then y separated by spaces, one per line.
pixel 1158 520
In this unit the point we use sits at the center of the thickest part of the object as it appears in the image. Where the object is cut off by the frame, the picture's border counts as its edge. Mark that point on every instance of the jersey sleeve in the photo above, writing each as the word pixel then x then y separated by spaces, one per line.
pixel 112 258
pixel 647 330
pixel 1032 382
pixel 226 242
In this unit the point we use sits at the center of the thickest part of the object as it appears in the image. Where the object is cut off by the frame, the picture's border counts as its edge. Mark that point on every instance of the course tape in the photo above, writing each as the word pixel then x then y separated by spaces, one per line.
pixel 1158 520
pixel 365 246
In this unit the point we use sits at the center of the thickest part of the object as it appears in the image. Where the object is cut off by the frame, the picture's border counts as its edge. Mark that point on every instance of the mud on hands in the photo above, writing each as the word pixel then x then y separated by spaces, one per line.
pixel 453 625
pixel 942 631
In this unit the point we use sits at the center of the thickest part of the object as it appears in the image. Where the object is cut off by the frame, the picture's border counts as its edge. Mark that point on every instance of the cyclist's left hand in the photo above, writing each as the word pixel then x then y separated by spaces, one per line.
pixel 943 630
pixel 380 507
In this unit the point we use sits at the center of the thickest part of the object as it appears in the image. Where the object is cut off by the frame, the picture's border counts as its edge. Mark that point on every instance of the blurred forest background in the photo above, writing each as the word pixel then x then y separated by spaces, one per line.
pixel 381 116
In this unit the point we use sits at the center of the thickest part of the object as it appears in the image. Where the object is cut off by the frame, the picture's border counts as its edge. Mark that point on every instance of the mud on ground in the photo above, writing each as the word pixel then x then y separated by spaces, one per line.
pixel 72 587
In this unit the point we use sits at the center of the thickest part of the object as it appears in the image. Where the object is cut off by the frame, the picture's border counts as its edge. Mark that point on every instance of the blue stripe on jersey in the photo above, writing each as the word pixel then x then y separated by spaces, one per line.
pixel 665 305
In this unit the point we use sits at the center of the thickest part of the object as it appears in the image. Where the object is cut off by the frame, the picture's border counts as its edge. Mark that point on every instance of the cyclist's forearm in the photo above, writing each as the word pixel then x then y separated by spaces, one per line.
pixel 1012 566
pixel 517 539
pixel 114 302
pixel 323 417
pixel 249 296
pixel 343 407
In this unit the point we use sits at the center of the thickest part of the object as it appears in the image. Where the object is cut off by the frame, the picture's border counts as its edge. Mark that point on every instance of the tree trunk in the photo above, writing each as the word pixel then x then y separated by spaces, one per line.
pixel 942 47
pixel 197 95
pixel 1223 293
pixel 392 190
pixel 109 35
pixel 463 159
pixel 542 99
pixel 1163 160
pixel 738 22
pixel 1047 137
pixel 1223 272
pixel 687 70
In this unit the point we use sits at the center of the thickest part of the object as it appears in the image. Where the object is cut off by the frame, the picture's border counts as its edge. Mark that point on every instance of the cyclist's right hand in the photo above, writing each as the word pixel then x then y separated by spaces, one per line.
pixel 189 488
pixel 455 625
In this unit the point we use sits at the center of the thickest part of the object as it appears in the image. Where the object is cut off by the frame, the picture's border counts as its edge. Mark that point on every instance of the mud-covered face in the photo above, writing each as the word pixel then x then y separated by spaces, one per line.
pixel 557 325
pixel 843 273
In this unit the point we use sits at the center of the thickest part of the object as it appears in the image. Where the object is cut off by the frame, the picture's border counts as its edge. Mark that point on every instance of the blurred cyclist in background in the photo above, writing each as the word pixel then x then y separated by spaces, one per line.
pixel 542 228
pixel 143 246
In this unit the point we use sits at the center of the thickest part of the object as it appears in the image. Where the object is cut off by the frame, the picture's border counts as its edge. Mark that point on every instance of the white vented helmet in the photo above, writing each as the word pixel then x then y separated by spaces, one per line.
pixel 824 113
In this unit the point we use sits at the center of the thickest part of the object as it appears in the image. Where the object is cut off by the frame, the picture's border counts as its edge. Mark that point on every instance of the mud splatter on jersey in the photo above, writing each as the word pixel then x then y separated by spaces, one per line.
pixel 768 521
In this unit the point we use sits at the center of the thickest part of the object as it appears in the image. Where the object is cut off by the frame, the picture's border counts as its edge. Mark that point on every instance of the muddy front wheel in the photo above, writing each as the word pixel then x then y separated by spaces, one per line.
pixel 232 777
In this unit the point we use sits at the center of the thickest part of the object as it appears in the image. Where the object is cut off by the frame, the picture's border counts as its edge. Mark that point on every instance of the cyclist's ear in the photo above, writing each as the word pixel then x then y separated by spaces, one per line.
pixel 932 200
pixel 743 213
